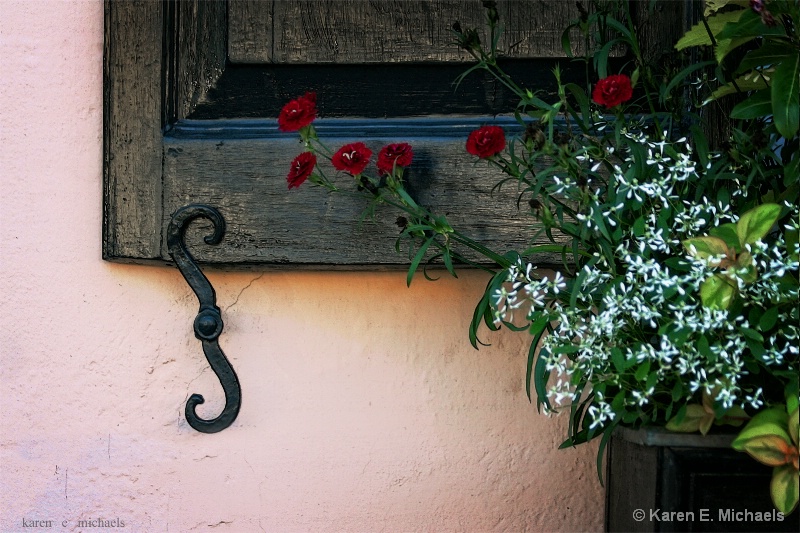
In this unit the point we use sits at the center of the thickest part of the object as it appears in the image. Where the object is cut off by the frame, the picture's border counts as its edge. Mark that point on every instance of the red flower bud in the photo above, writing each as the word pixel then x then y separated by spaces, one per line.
pixel 352 158
pixel 298 113
pixel 613 90
pixel 302 167
pixel 486 141
pixel 393 155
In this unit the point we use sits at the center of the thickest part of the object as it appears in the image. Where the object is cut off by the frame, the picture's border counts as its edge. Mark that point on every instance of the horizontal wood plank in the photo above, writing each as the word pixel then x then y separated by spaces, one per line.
pixel 364 31
pixel 241 170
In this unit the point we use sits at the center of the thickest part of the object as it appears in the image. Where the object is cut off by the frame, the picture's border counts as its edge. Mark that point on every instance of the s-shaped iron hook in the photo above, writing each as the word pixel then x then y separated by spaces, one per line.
pixel 208 322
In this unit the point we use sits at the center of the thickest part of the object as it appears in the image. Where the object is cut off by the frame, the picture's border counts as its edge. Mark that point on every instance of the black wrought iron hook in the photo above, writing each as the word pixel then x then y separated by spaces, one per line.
pixel 208 322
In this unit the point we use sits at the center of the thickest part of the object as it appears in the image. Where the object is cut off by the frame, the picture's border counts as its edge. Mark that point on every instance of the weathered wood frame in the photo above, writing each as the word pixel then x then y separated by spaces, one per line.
pixel 161 59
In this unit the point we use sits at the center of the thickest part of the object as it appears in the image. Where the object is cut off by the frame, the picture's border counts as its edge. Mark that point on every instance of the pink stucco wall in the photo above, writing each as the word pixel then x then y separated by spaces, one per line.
pixel 364 407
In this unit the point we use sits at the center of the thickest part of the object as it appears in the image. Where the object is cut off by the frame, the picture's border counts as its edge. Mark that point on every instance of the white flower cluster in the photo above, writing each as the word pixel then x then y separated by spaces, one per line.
pixel 607 323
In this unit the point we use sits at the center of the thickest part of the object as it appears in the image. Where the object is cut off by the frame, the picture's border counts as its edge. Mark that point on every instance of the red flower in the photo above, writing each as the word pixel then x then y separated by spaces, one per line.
pixel 352 158
pixel 301 169
pixel 393 155
pixel 298 113
pixel 613 90
pixel 486 141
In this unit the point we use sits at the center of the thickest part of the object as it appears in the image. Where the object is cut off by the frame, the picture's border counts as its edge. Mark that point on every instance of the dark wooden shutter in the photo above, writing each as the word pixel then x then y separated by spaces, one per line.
pixel 192 89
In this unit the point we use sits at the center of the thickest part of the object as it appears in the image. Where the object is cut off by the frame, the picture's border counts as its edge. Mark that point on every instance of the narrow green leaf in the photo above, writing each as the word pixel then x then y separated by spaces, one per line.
pixel 683 74
pixel 786 96
pixel 566 41
pixel 477 320
pixel 540 377
pixel 700 145
pixel 417 259
pixel 529 371
pixel 581 98
pixel 601 448
pixel 617 25
pixel 448 263
pixel 536 331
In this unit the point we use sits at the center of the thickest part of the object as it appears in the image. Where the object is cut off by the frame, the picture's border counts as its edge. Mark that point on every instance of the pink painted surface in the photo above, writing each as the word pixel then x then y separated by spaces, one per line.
pixel 364 407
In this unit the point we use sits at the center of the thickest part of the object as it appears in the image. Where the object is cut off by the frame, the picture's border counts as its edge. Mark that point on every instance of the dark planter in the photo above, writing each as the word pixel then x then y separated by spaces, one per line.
pixel 663 481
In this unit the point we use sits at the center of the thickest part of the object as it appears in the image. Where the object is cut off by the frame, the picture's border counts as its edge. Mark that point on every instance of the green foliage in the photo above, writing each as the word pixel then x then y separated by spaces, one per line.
pixel 772 438
pixel 771 67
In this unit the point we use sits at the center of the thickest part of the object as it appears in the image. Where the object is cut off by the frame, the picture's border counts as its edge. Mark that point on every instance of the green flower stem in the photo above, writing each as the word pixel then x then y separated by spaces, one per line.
pixel 634 43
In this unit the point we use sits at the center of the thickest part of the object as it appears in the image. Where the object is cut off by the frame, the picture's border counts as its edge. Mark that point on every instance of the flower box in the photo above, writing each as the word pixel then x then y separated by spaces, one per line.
pixel 663 481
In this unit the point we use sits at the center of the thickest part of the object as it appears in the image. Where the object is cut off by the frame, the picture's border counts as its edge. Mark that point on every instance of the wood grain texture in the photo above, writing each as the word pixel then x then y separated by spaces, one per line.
pixel 200 37
pixel 370 31
pixel 132 130
pixel 244 176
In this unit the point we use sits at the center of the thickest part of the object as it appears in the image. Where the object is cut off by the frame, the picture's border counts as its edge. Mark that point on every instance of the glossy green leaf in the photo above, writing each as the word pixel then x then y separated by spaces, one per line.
pixel 785 488
pixel 727 232
pixel 756 223
pixel 689 420
pixel 756 106
pixel 746 83
pixel 793 400
pixel 706 247
pixel 735 416
pixel 745 268
pixel 749 24
pixel 712 6
pixel 786 96
pixel 698 35
pixel 769 54
pixel 768 319
pixel 618 360
pixel 770 450
pixel 717 292
pixel 642 371
pixel 772 421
